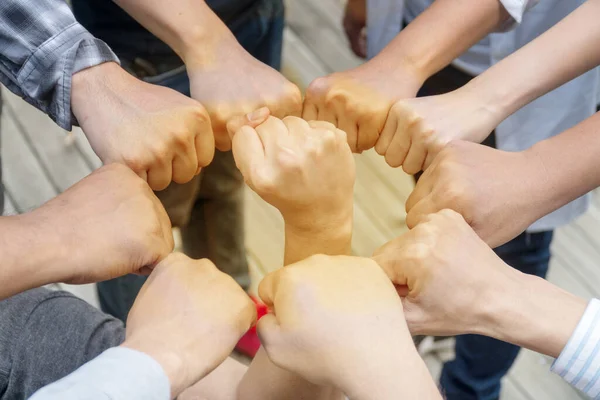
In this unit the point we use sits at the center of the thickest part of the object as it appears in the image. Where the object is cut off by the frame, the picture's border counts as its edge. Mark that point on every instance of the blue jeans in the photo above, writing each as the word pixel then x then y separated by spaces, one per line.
pixel 209 209
pixel 481 362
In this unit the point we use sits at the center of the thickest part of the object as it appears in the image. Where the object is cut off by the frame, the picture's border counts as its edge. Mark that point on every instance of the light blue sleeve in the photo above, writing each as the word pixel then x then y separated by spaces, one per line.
pixel 117 374
pixel 579 362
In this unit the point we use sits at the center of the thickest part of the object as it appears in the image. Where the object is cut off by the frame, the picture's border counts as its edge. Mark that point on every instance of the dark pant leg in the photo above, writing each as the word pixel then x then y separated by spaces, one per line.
pixel 46 335
pixel 481 362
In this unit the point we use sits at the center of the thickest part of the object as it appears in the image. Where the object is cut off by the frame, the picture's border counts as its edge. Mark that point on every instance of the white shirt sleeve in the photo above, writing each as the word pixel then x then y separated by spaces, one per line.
pixel 579 362
pixel 516 9
pixel 117 374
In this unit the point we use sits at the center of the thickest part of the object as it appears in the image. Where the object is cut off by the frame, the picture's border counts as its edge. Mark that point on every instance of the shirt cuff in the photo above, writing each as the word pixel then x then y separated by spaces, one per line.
pixel 516 9
pixel 579 362
pixel 46 75
pixel 118 373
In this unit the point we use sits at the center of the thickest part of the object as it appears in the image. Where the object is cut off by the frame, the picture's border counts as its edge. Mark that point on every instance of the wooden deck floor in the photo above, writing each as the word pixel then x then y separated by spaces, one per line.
pixel 39 163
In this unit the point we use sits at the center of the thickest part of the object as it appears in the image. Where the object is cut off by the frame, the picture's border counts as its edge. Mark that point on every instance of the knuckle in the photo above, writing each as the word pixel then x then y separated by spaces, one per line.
pixel 318 87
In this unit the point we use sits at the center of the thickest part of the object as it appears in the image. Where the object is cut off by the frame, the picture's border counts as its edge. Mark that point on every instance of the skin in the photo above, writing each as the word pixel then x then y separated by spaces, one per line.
pixel 224 77
pixel 424 126
pixel 359 100
pixel 449 291
pixel 192 333
pixel 107 225
pixel 320 323
pixel 272 154
pixel 160 134
pixel 466 178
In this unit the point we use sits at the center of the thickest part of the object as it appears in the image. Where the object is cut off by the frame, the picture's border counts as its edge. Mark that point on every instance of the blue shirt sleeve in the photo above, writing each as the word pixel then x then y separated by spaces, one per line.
pixel 117 374
pixel 41 47
pixel 579 362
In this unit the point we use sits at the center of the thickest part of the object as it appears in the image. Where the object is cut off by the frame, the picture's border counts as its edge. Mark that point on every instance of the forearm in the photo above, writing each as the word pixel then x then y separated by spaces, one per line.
pixel 534 314
pixel 567 50
pixel 189 27
pixel 333 240
pixel 264 379
pixel 565 167
pixel 436 37
pixel 32 255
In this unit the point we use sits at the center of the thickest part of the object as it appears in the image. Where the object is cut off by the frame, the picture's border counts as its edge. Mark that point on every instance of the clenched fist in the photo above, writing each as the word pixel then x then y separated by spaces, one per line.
pixel 304 169
pixel 358 101
pixel 161 135
pixel 109 224
pixel 188 316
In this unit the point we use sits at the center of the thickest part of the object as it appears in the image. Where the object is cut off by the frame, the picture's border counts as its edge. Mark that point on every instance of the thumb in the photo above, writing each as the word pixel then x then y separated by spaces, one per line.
pixel 270 334
pixel 252 120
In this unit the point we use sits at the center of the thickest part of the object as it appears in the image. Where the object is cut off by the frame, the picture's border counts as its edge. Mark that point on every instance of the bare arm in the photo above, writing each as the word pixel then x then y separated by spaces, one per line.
pixel 443 32
pixel 567 50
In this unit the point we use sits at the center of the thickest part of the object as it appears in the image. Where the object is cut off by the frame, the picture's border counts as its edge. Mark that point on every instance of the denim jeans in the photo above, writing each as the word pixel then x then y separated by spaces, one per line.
pixel 481 362
pixel 209 209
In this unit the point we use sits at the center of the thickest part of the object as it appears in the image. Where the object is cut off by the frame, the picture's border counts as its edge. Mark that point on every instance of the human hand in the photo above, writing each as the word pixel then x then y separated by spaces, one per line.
pixel 109 224
pixel 304 169
pixel 417 129
pixel 188 317
pixel 449 277
pixel 355 22
pixel 358 100
pixel 233 83
pixel 161 135
pixel 324 311
pixel 493 190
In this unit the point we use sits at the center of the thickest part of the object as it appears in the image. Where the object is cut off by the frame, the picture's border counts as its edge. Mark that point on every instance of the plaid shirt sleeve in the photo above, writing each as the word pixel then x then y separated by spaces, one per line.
pixel 41 47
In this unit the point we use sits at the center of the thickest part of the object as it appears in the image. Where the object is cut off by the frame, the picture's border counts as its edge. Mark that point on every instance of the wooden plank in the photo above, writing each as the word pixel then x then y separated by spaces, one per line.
pixel 300 64
pixel 321 36
pixel 64 163
pixel 23 175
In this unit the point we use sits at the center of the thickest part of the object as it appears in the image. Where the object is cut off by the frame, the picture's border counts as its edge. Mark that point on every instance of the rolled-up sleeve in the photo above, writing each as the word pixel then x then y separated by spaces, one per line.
pixel 41 47
pixel 516 9
pixel 117 374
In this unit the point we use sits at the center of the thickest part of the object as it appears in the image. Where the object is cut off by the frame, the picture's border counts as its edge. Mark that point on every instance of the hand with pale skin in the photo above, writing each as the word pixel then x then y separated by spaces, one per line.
pixel 197 328
pixel 304 169
pixel 160 134
pixel 488 187
pixel 452 283
pixel 107 225
pixel 417 129
pixel 235 84
pixel 320 324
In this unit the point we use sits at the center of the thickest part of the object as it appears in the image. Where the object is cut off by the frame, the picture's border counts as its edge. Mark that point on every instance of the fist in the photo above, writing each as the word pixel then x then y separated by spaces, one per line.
pixel 237 84
pixel 304 169
pixel 358 101
pixel 188 316
pixel 489 188
pixel 160 134
pixel 446 273
pixel 110 224
pixel 324 310
pixel 417 129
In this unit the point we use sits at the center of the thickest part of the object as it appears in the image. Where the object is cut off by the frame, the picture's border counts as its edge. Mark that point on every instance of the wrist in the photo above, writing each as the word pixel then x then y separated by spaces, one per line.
pixel 91 86
pixel 534 314
pixel 498 99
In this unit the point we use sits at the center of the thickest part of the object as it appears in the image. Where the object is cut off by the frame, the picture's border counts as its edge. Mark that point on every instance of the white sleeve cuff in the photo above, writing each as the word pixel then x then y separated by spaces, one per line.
pixel 516 9
pixel 579 362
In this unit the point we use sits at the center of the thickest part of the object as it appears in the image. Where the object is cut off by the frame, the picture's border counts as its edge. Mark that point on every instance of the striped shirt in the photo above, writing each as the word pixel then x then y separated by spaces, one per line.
pixel 41 47
pixel 579 362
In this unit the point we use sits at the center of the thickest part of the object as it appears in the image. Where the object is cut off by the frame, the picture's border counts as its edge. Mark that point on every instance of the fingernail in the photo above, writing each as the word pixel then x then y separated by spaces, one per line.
pixel 258 115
